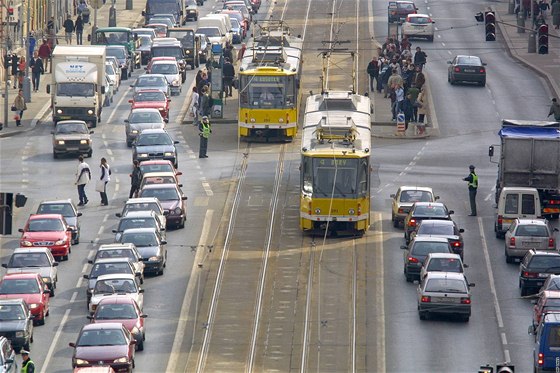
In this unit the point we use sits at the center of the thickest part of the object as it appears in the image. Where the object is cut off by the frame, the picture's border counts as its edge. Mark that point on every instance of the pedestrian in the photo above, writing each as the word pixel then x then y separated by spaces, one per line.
pixel 79 28
pixel 408 110
pixel 405 43
pixel 15 68
pixel 68 29
pixel 241 52
pixel 472 183
pixel 545 7
pixel 420 58
pixel 228 74
pixel 85 15
pixel 31 42
pixel 556 14
pixel 27 365
pixel 422 102
pixel 228 51
pixel 101 187
pixel 21 71
pixel 205 109
pixel 399 99
pixel 526 8
pixel 385 74
pixel 81 6
pixel 373 72
pixel 408 76
pixel 83 176
pixel 45 52
pixel 555 109
pixel 20 106
pixel 36 64
pixel 535 11
pixel 193 106
pixel 135 179
pixel 205 130
pixel 393 80
pixel 419 78
pixel 413 91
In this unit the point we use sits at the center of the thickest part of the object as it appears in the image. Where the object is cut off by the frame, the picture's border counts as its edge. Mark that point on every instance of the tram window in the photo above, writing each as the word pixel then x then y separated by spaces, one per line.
pixel 364 173
pixel 307 175
pixel 335 182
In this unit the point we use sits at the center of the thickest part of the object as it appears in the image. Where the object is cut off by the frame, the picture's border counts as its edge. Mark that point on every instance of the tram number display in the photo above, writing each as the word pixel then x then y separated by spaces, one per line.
pixel 333 162
pixel 267 79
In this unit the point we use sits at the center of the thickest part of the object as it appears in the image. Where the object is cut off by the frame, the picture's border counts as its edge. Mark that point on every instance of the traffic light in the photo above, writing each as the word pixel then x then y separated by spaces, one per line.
pixel 542 39
pixel 490 24
pixel 505 368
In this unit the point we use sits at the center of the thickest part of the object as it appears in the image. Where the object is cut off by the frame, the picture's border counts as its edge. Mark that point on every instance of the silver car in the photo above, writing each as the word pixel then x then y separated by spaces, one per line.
pixel 117 250
pixel 152 81
pixel 444 293
pixel 405 197
pixel 36 260
pixel 526 234
pixel 139 219
pixel 105 266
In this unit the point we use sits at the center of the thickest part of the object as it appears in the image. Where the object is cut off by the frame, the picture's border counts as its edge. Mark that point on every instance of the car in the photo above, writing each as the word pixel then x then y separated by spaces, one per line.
pixel 205 52
pixel 213 34
pixel 170 51
pixel 48 230
pixel 116 67
pixel 16 324
pixel 442 262
pixel 152 81
pixel 155 144
pixel 552 282
pixel 144 204
pixel 161 19
pixel 141 119
pixel 442 228
pixel 66 208
pixel 111 73
pixel 246 10
pixel 159 178
pixel 418 26
pixel 548 301
pixel 124 310
pixel 32 289
pixel 535 267
pixel 151 99
pixel 444 293
pixel 104 266
pixel 117 285
pixel 189 43
pixel 142 31
pixel 125 62
pixel 236 14
pixel 109 94
pixel 151 247
pixel 158 165
pixel 104 344
pixel 237 31
pixel 118 250
pixel 466 69
pixel 526 234
pixel 36 260
pixel 416 252
pixel 139 219
pixel 424 211
pixel 171 71
pixel 397 11
pixel 72 137
pixel 191 10
pixel 159 28
pixel 404 198
pixel 546 351
pixel 8 362
pixel 172 199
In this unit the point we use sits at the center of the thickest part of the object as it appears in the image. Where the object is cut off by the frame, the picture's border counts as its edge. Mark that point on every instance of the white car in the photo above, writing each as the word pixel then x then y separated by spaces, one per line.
pixel 169 69
pixel 111 73
pixel 109 91
pixel 418 26
pixel 442 262
pixel 36 260
pixel 405 197
pixel 115 285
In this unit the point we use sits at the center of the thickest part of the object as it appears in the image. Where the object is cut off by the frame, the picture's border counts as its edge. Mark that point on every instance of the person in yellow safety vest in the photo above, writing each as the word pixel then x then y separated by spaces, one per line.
pixel 205 131
pixel 472 183
pixel 27 366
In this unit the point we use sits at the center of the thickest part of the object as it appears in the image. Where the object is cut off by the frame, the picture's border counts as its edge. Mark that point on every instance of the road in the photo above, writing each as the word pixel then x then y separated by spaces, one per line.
pixel 324 304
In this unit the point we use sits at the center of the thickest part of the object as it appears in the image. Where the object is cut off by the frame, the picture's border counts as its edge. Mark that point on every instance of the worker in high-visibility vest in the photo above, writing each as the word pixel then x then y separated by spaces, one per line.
pixel 472 183
pixel 204 132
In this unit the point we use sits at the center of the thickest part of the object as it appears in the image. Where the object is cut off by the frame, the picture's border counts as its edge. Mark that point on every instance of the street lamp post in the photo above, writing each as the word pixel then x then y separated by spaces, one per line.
pixel 26 81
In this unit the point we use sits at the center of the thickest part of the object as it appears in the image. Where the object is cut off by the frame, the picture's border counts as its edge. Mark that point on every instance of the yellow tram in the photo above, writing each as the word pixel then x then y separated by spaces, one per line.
pixel 269 78
pixel 335 163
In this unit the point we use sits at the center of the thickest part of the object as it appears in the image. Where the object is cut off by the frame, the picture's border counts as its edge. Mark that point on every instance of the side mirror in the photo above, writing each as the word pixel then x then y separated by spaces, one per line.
pixel 5 265
pixel 90 261
pixel 180 185
pixel 143 316
pixel 392 196
pixel 491 151
pixel 79 214
pixel 86 276
pixel 89 317
pixel 461 230
pixel 472 285
pixel 118 215
pixel 114 231
pixel 143 13
pixel 184 198
pixel 140 290
pixel 451 212
pixel 555 229
pixel 164 242
pixel 72 344
pixel 484 64
pixel 132 86
pixel 55 264
pixel 91 133
pixel 465 265
pixel 126 120
pixel 436 198
pixel 449 62
pixel 46 291
pixel 166 120
pixel 175 142
pixel 178 173
pixel 20 230
pixel 404 247
pixel 69 229
pixel 138 274
pixel 131 101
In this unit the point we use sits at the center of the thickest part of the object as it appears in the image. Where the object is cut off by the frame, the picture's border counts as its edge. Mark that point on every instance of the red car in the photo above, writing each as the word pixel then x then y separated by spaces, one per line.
pixel 160 29
pixel 31 288
pixel 151 99
pixel 125 310
pixel 104 344
pixel 549 301
pixel 48 230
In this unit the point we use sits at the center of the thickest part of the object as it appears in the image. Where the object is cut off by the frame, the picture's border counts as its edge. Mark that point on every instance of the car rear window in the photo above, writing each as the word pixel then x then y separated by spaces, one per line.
pixel 424 248
pixel 553 339
pixel 418 20
pixel 415 196
pixel 405 6
pixel 432 211
pixel 444 265
pixel 446 285
pixel 553 284
pixel 471 61
pixel 532 231
pixel 545 262
pixel 552 302
pixel 446 230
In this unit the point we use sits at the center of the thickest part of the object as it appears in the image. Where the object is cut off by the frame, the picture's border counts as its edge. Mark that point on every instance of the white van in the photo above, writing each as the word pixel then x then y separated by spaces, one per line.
pixel 513 203
pixel 224 17
pixel 220 24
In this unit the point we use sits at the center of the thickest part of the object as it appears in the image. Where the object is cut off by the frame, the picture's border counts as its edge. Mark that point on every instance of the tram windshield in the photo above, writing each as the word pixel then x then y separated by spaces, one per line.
pixel 335 177
pixel 267 92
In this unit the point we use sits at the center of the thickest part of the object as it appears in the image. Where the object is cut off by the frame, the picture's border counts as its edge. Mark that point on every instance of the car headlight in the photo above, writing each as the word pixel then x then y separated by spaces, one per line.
pixel 84 141
pixel 154 259
pixel 81 362
pixel 134 131
pixel 90 112
pixel 135 330
pixel 177 211
pixel 121 360
pixel 175 82
pixel 47 280
pixel 59 111
pixel 26 243
pixel 34 305
pixel 168 154
pixel 162 109
pixel 188 52
pixel 20 334
pixel 60 242
pixel 143 155
pixel 60 142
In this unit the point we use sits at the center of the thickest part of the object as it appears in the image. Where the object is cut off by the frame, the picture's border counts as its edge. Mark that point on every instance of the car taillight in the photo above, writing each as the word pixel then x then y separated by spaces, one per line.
pixel 512 241
pixel 457 69
pixel 401 211
pixel 412 259
pixel 412 223
pixel 456 243
pixel 530 274
pixel 481 70
pixel 465 300
pixel 425 299
pixel 540 359
pixel 551 243
pixel 500 220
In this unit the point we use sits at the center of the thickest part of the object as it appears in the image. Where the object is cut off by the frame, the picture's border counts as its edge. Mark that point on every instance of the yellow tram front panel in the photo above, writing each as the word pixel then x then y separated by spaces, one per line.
pixel 315 212
pixel 254 120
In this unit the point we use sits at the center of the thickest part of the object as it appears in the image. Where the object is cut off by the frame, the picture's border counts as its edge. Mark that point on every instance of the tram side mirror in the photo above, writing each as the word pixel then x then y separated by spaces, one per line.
pixel 491 151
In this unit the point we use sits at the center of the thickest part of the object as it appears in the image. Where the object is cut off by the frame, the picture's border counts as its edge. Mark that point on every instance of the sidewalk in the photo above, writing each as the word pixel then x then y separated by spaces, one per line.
pixel 38 110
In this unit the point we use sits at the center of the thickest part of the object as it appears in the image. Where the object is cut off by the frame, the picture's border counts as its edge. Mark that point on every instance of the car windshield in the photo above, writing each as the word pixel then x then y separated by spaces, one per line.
pixel 71 89
pixel 405 6
pixel 145 117
pixel 430 211
pixel 150 139
pixel 545 262
pixel 148 81
pixel 117 52
pixel 140 239
pixel 117 285
pixel 29 260
pixel 424 248
pixel 142 207
pixel 163 194
pixel 165 68
pixel 156 168
pixel 45 225
pixel 62 128
pixel 131 223
pixel 19 286
pixel 64 209
pixel 469 60
pixel 185 37
pixel 433 229
pixel 145 40
pixel 100 269
pixel 165 21
pixel 444 265
pixel 101 338
pixel 11 312
pixel 109 69
pixel 149 96
pixel 125 311
pixel 235 24
pixel 115 253
pixel 415 196
pixel 446 285
pixel 209 31
pixel 532 231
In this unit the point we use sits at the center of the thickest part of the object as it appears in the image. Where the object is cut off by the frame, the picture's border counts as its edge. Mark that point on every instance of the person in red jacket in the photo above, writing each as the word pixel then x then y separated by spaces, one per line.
pixel 45 52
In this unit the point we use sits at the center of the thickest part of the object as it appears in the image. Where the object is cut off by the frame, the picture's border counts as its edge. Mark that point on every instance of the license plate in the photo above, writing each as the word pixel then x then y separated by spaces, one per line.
pixel 64 117
pixel 445 300
pixel 469 70
pixel 72 149
pixel 529 244
pixel 540 283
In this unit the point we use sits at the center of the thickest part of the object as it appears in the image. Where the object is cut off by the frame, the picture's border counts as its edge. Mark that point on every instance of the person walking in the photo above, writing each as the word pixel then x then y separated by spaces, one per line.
pixel 83 176
pixel 45 52
pixel 422 105
pixel 68 29
pixel 27 365
pixel 472 183
pixel 193 106
pixel 241 52
pixel 373 72
pixel 20 106
pixel 14 62
pixel 414 92
pixel 228 74
pixel 135 179
pixel 545 7
pixel 79 28
pixel 555 109
pixel 420 58
pixel 36 64
pixel 21 71
pixel 399 99
pixel 526 5
pixel 555 11
pixel 385 75
pixel 408 110
pixel 103 180
pixel 204 132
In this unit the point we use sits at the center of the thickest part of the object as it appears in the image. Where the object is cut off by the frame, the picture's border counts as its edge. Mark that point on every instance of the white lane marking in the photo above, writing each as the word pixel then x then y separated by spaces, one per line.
pixel 207 189
pixel 504 339
pixel 91 254
pixel 493 188
pixel 79 283
pixel 449 52
pixel 101 230
pixel 380 303
pixel 74 296
pixel 182 324
pixel 55 340
pixel 506 356
pixel 442 44
pixel 439 36
pixel 109 152
pixel 488 197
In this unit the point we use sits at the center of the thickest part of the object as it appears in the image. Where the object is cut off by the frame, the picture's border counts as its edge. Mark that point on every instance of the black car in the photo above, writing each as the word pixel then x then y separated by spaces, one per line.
pixel 424 211
pixel 16 323
pixel 155 144
pixel 442 228
pixel 189 43
pixel 417 251
pixel 125 61
pixel 466 69
pixel 535 268
pixel 150 246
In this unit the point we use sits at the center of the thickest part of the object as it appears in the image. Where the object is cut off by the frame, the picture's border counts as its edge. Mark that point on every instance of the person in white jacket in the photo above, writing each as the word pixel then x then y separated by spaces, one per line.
pixel 83 176
pixel 104 179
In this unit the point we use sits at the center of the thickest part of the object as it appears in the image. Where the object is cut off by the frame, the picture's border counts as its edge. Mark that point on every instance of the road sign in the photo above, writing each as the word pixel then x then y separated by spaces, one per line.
pixel 96 4
pixel 401 127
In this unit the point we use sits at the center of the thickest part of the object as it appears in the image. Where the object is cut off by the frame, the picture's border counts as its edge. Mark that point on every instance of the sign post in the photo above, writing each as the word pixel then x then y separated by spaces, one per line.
pixel 401 127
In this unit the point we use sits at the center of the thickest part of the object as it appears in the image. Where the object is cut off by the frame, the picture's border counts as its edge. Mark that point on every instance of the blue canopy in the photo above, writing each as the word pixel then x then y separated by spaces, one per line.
pixel 530 132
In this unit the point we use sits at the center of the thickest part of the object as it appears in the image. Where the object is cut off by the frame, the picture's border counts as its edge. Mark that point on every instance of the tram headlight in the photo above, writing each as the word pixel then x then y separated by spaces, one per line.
pixel 317 211
pixel 351 212
pixel 252 120
pixel 281 120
